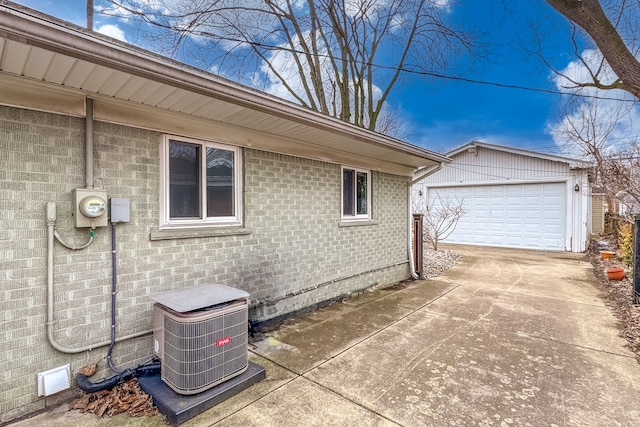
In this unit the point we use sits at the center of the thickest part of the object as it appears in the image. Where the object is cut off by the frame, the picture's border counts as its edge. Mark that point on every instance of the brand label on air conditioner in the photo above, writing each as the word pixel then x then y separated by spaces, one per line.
pixel 223 341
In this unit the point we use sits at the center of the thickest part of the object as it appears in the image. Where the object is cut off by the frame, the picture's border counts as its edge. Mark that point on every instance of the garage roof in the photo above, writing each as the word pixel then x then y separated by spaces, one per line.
pixel 573 163
pixel 45 62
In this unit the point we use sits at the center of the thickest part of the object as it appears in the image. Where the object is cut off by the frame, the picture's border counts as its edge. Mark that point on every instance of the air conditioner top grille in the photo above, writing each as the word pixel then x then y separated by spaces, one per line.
pixel 197 297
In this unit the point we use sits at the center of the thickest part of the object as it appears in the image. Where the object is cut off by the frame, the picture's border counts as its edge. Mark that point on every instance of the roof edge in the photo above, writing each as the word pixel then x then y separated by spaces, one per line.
pixel 35 28
pixel 573 163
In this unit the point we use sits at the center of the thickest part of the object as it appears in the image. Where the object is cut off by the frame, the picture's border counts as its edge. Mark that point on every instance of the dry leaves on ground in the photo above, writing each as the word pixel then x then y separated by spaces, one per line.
pixel 126 397
pixel 620 299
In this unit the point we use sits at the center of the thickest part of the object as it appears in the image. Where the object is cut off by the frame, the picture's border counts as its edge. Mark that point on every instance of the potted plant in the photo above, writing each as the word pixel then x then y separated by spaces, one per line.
pixel 615 273
pixel 607 254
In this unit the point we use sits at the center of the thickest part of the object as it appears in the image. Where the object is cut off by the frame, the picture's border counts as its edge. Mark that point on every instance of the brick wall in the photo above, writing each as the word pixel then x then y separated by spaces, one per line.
pixel 296 255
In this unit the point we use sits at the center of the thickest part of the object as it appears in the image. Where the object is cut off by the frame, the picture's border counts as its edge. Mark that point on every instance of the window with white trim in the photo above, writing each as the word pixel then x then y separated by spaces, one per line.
pixel 201 183
pixel 356 193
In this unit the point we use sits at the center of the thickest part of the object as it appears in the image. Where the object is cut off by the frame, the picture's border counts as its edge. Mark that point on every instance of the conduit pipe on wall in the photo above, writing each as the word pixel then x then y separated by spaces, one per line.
pixel 412 267
pixel 51 221
pixel 52 234
pixel 114 276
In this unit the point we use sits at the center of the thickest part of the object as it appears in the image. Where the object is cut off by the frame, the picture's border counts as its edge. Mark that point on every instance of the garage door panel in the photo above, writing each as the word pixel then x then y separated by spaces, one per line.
pixel 554 202
pixel 518 215
pixel 494 228
pixel 533 243
pixel 550 217
pixel 512 229
pixel 528 228
pixel 553 229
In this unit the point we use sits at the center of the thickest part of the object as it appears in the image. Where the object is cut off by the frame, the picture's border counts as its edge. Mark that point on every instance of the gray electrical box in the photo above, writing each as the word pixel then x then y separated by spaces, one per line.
pixel 120 209
pixel 90 207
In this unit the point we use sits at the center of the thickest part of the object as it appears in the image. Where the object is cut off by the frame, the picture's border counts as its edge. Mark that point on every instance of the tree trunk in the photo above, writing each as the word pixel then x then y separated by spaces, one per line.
pixel 590 16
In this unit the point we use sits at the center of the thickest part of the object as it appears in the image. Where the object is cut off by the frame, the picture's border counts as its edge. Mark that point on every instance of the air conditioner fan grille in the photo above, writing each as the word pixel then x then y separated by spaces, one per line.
pixel 201 354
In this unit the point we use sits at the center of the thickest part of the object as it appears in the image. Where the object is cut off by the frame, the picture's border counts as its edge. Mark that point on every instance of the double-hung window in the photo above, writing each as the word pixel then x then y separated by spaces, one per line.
pixel 356 193
pixel 201 184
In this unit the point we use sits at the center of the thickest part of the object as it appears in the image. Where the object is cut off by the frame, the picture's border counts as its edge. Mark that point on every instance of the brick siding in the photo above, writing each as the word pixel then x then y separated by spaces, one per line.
pixel 296 255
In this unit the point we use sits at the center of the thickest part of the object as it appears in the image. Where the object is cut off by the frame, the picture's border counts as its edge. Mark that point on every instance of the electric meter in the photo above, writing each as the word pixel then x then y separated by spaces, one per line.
pixel 93 206
pixel 90 207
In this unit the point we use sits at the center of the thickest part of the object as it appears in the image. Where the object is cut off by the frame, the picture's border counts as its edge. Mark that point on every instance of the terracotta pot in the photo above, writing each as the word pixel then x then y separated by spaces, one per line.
pixel 607 254
pixel 615 273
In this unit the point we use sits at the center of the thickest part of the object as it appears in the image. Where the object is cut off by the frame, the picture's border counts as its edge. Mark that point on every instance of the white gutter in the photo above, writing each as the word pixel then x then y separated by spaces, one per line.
pixel 426 174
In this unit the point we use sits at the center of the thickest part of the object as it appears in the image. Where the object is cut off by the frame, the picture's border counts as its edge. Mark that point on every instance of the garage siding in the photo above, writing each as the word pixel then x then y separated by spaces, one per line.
pixel 494 165
pixel 513 197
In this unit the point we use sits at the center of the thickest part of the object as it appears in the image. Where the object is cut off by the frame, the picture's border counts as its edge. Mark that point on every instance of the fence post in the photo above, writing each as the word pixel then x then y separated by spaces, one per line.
pixel 636 260
pixel 417 245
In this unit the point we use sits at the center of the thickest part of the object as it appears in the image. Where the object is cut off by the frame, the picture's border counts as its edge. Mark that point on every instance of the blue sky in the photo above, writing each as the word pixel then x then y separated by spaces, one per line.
pixel 446 113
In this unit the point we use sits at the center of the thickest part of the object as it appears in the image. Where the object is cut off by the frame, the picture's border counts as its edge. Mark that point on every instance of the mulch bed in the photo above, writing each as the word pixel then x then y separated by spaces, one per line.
pixel 620 298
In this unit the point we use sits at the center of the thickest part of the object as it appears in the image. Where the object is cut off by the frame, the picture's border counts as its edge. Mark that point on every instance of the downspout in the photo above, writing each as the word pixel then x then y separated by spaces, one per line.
pixel 412 267
pixel 88 148
pixel 427 173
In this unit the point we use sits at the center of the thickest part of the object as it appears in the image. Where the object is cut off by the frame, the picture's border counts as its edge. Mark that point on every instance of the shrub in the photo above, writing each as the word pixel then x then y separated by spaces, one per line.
pixel 625 242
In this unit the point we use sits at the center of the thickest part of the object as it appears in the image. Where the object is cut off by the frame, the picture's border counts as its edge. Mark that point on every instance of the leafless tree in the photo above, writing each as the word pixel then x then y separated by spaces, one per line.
pixel 599 128
pixel 622 174
pixel 600 131
pixel 440 217
pixel 338 57
pixel 613 27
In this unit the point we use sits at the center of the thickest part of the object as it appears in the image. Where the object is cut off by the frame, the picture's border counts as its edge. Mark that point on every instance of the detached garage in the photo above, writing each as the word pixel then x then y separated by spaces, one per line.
pixel 511 197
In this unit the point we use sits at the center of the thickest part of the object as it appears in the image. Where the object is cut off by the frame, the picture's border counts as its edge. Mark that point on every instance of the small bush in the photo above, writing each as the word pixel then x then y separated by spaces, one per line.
pixel 625 242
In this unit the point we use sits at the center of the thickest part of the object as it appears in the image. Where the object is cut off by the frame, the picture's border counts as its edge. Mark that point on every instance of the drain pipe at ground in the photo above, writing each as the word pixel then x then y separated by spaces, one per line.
pixel 412 267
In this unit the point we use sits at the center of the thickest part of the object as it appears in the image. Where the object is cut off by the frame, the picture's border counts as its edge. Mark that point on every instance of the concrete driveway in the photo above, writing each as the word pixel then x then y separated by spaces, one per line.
pixel 506 337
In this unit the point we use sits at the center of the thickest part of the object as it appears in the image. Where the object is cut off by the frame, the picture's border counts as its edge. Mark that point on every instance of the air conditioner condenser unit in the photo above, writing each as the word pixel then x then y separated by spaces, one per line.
pixel 200 336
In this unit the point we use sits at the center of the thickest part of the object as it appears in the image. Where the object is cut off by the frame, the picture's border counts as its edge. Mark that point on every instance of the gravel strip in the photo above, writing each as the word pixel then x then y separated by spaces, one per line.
pixel 436 262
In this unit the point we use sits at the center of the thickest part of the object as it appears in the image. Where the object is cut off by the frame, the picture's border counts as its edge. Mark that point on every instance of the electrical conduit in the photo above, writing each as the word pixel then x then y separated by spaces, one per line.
pixel 51 221
pixel 52 234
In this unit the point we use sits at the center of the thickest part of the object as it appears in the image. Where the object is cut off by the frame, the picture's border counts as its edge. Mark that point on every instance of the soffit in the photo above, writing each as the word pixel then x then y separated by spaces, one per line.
pixel 47 51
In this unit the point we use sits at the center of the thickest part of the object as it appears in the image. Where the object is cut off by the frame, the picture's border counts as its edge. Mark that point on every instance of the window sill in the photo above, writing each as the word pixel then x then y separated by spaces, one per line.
pixel 194 233
pixel 357 223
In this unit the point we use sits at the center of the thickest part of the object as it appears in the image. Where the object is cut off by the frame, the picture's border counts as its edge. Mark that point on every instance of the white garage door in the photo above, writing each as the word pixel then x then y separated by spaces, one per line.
pixel 519 216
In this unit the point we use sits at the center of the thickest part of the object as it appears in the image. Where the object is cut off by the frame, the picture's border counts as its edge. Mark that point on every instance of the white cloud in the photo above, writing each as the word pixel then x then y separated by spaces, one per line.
pixel 112 31
pixel 605 116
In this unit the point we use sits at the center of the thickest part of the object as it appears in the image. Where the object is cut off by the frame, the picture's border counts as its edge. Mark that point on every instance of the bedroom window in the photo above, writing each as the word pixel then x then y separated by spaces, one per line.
pixel 201 184
pixel 356 193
